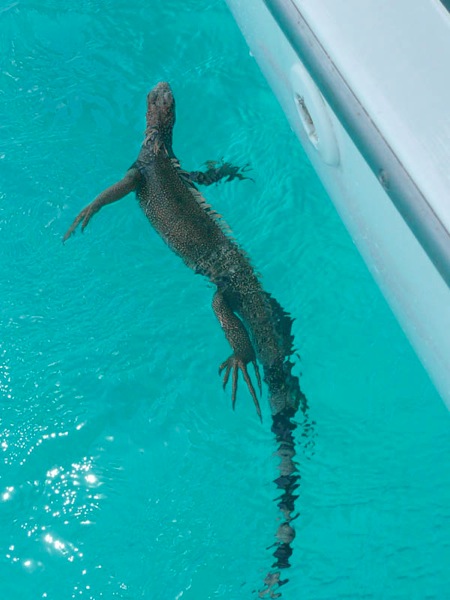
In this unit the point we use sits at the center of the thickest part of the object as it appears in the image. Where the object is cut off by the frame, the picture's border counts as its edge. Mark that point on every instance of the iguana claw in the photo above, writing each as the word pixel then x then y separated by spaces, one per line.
pixel 85 215
pixel 236 363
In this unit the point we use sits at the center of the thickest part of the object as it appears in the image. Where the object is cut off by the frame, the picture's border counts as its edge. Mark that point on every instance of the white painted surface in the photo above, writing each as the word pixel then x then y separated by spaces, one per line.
pixel 386 69
pixel 395 55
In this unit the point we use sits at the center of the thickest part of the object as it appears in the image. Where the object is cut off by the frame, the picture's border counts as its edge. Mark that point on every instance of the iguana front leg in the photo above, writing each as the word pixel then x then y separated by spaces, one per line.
pixel 113 193
pixel 215 171
pixel 243 352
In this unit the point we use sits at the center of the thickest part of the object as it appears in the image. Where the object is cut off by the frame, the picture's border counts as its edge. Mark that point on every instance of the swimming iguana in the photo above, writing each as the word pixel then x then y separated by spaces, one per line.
pixel 256 327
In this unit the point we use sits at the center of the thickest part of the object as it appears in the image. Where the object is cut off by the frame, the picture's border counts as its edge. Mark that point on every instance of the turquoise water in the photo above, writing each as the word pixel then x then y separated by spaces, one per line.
pixel 124 472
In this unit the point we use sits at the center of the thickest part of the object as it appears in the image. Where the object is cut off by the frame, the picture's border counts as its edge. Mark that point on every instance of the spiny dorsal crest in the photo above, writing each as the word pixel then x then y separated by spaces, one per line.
pixel 184 176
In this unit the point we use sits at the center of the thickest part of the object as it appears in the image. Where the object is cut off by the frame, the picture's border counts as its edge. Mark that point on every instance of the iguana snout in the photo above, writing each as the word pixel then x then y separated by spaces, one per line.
pixel 161 107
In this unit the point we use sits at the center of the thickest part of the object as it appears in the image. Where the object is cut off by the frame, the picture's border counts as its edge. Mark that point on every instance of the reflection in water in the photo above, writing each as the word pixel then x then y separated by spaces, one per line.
pixel 65 548
pixel 64 497
pixel 8 493
pixel 5 382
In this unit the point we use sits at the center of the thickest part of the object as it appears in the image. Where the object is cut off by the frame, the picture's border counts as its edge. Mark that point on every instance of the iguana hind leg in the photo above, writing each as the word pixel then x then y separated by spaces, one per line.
pixel 243 352
pixel 215 171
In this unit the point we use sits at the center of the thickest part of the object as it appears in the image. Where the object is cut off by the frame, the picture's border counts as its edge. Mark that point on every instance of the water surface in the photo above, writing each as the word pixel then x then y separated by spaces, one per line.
pixel 124 472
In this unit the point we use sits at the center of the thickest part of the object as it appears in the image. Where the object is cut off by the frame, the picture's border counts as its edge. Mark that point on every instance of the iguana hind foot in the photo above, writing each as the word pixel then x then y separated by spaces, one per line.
pixel 234 363
pixel 243 351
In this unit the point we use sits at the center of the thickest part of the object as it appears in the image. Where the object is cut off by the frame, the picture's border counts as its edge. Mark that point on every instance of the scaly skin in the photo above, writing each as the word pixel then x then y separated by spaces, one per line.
pixel 255 325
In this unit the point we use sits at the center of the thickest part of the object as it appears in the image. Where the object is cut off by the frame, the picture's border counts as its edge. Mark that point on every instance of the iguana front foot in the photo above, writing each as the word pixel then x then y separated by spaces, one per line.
pixel 234 363
pixel 217 170
pixel 113 193
pixel 85 216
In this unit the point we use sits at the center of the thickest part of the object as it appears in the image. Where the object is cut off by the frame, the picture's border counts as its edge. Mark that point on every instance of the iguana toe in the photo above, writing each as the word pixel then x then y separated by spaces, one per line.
pixel 74 225
pixel 234 363
pixel 83 217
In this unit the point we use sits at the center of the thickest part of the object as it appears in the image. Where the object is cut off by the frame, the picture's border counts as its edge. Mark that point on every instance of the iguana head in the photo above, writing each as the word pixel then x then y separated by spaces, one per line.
pixel 160 118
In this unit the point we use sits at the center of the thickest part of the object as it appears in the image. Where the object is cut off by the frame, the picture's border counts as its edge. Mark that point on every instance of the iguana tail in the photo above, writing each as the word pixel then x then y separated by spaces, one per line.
pixel 287 400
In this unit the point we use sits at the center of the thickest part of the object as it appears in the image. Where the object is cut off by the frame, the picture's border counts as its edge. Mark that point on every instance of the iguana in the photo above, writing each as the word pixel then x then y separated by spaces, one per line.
pixel 255 325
